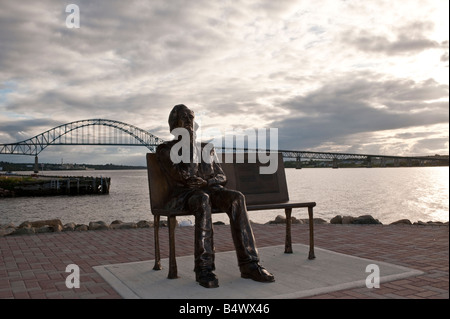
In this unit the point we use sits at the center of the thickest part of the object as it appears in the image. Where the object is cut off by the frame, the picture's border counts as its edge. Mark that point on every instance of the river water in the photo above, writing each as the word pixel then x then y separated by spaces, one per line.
pixel 388 194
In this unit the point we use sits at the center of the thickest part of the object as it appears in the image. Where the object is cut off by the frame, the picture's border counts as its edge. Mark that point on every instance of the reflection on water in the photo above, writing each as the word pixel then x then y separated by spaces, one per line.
pixel 388 194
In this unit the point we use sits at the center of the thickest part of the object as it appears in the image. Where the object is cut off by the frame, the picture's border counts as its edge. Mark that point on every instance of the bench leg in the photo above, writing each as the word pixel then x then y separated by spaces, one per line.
pixel 311 234
pixel 173 272
pixel 288 241
pixel 157 265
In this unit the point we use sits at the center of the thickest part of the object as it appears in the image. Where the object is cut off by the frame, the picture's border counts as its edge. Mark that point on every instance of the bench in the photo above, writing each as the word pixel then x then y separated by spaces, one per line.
pixel 262 192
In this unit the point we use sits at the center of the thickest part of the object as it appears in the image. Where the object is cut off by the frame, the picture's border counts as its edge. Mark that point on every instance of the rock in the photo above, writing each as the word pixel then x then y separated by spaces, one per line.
pixel 23 231
pixel 319 221
pixel 81 227
pixel 118 224
pixel 315 221
pixel 44 229
pixel 6 231
pixel 69 227
pixel 25 224
pixel 336 220
pixel 163 223
pixel 365 219
pixel 99 225
pixel 280 220
pixel 220 223
pixel 402 222
pixel 347 219
pixel 130 225
pixel 6 226
pixel 432 223
pixel 55 224
pixel 144 224
pixel 123 226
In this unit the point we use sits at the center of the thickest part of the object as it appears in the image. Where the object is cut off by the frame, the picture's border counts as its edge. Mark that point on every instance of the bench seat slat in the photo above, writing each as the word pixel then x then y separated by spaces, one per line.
pixel 289 204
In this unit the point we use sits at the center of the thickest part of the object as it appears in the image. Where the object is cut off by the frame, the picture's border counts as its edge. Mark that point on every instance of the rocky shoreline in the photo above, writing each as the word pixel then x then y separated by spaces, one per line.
pixel 55 225
pixel 351 220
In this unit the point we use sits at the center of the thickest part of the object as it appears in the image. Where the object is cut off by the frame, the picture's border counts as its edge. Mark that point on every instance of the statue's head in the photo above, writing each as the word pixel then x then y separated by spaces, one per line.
pixel 182 116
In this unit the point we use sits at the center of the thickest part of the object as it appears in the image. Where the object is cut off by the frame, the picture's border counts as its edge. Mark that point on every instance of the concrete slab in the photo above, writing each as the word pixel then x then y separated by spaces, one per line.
pixel 295 276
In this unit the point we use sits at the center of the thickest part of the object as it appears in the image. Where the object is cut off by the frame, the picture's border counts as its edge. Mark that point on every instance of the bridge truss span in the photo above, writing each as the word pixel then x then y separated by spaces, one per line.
pixel 85 132
pixel 116 133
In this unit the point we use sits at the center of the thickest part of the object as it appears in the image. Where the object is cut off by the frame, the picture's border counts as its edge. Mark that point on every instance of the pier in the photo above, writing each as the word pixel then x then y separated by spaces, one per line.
pixel 14 185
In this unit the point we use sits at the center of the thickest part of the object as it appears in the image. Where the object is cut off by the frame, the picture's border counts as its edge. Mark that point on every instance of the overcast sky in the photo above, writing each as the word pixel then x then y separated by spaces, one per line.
pixel 351 76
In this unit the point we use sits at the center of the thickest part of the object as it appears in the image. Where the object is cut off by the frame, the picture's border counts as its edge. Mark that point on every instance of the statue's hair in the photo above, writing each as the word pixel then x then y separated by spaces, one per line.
pixel 173 116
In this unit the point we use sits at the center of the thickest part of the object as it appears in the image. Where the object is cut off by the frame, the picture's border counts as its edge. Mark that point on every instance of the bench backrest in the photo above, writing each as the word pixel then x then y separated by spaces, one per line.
pixel 258 188
pixel 245 177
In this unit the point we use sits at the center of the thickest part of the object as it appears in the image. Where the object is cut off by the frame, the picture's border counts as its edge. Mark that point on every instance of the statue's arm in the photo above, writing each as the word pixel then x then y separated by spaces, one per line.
pixel 219 176
pixel 178 173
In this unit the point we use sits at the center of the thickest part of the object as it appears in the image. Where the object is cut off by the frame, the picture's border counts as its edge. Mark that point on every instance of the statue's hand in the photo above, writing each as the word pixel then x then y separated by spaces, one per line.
pixel 196 182
pixel 215 186
pixel 217 181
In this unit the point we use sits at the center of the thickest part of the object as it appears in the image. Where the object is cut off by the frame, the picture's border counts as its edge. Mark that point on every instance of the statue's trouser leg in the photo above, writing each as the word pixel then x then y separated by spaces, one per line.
pixel 233 203
pixel 200 204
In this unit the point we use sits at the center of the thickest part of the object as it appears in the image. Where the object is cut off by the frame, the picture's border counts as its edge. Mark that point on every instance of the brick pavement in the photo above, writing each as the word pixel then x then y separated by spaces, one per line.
pixel 33 266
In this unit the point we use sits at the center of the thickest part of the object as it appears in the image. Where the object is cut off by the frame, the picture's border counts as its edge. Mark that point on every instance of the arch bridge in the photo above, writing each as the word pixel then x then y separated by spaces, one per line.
pixel 116 133
pixel 85 132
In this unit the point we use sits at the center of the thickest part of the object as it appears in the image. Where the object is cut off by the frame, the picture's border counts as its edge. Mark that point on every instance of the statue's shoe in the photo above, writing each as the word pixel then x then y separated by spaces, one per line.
pixel 207 279
pixel 256 272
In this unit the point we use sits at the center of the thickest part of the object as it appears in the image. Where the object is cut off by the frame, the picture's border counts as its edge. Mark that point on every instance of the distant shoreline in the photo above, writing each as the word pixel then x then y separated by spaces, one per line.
pixel 47 167
pixel 44 167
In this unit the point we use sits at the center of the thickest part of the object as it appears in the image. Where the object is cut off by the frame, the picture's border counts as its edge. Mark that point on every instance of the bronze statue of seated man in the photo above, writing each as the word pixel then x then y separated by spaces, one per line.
pixel 199 187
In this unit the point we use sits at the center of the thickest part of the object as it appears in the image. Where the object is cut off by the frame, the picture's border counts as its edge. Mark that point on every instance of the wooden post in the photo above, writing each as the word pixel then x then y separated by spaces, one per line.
pixel 173 272
pixel 157 265
pixel 288 241
pixel 311 234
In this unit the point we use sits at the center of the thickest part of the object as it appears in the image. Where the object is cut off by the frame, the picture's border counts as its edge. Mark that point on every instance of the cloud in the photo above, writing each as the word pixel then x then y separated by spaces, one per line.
pixel 16 131
pixel 339 110
pixel 324 72
pixel 407 39
pixel 428 145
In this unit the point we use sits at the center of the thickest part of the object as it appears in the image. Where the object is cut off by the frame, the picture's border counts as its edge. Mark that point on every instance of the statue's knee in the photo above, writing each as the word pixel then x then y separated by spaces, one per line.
pixel 199 200
pixel 204 199
pixel 238 196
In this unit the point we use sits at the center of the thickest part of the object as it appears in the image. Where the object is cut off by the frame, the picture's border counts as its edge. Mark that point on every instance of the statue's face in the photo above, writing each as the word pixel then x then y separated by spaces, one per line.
pixel 186 120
